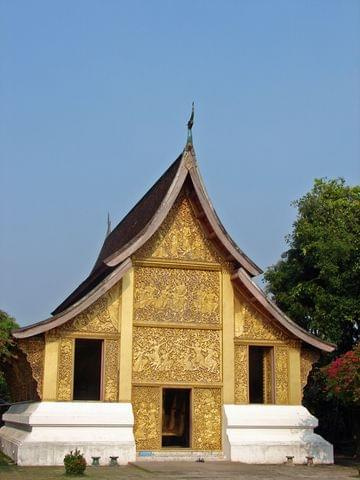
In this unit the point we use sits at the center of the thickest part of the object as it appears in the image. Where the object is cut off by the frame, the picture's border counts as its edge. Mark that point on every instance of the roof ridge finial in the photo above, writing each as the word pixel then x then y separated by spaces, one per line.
pixel 108 230
pixel 190 124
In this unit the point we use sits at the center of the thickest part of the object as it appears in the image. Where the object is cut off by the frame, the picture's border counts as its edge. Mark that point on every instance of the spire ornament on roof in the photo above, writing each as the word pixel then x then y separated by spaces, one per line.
pixel 108 230
pixel 190 124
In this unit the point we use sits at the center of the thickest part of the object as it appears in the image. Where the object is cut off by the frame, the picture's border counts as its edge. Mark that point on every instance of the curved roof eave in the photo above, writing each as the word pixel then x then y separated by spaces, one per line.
pixel 76 308
pixel 187 166
pixel 292 327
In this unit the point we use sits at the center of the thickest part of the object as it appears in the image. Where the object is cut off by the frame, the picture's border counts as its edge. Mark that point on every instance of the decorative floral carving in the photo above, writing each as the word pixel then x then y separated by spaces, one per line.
pixel 251 325
pixel 169 295
pixel 207 418
pixel 281 374
pixel 146 402
pixel 176 355
pixel 111 370
pixel 34 349
pixel 241 374
pixel 101 317
pixel 307 359
pixel 180 237
pixel 65 369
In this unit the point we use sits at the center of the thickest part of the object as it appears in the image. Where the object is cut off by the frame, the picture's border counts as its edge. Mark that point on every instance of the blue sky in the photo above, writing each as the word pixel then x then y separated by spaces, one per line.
pixel 94 99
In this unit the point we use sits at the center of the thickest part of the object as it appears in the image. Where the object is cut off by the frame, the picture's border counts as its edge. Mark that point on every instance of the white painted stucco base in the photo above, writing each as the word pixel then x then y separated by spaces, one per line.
pixel 270 433
pixel 41 433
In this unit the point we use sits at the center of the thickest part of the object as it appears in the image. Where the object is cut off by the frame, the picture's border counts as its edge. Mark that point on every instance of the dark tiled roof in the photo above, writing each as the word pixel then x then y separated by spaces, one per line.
pixel 129 227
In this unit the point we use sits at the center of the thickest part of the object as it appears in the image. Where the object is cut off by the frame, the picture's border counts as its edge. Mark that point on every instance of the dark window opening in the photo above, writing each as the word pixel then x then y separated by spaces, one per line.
pixel 176 417
pixel 261 375
pixel 87 369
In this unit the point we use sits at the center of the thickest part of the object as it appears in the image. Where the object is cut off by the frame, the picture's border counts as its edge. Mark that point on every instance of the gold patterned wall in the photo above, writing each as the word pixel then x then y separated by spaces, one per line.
pixel 252 328
pixel 241 374
pixel 34 349
pixel 207 404
pixel 174 355
pixel 102 321
pixel 180 237
pixel 146 403
pixel 307 358
pixel 177 295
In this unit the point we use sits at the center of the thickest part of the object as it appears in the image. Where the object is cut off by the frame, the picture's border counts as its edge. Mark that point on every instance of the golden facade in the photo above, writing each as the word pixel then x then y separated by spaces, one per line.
pixel 174 316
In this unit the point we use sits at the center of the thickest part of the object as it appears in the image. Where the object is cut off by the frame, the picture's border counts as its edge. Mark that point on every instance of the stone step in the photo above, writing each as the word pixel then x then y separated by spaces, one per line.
pixel 179 455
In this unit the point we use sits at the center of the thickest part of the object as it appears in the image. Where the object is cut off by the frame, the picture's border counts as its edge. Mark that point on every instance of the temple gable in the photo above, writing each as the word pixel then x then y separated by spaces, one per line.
pixel 180 237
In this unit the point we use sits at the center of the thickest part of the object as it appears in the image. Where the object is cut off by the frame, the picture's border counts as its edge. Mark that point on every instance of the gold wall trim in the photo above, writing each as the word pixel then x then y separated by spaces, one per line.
pixel 242 374
pixel 264 343
pixel 95 336
pixel 282 368
pixel 207 415
pixel 65 370
pixel 179 264
pixel 177 385
pixel 146 402
pixel 197 326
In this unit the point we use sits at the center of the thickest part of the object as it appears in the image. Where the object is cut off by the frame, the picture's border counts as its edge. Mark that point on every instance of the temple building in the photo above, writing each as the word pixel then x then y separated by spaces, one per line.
pixel 168 349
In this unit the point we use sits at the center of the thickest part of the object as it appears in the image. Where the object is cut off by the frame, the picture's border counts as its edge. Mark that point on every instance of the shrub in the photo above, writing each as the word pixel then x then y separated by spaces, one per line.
pixel 75 463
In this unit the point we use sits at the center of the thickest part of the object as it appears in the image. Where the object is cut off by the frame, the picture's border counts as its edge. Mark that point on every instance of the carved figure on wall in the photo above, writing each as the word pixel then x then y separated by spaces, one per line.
pixel 177 295
pixel 182 355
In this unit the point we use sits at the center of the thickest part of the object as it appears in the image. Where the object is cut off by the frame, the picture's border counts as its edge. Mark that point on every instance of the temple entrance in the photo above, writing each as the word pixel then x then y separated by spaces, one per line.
pixel 176 417
pixel 87 369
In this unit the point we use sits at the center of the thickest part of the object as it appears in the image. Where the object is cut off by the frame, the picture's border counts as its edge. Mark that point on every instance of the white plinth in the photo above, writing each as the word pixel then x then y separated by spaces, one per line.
pixel 270 433
pixel 41 433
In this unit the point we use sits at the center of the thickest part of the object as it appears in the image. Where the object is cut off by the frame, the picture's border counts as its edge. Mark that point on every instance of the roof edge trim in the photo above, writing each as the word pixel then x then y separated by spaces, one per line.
pixel 280 316
pixel 76 308
pixel 187 166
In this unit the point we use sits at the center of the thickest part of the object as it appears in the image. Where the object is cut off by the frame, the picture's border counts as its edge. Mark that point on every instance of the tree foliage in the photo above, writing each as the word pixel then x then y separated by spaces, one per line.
pixel 317 280
pixel 343 377
pixel 7 323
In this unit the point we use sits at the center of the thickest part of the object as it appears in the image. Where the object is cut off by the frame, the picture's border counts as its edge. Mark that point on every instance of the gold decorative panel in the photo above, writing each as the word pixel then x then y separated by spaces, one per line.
pixel 176 355
pixel 241 374
pixel 111 374
pixel 268 368
pixel 251 325
pixel 180 237
pixel 207 404
pixel 169 295
pixel 65 369
pixel 146 402
pixel 307 359
pixel 281 374
pixel 101 317
pixel 34 349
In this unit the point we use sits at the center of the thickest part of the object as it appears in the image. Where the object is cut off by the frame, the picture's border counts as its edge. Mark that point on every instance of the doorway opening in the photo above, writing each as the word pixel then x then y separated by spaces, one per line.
pixel 261 382
pixel 176 417
pixel 87 369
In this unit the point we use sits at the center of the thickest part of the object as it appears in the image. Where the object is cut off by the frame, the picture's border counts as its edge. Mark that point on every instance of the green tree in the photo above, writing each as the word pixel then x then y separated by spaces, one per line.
pixel 7 348
pixel 317 280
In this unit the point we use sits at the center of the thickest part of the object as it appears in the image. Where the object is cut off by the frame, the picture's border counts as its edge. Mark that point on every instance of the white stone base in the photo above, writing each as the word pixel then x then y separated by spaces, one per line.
pixel 270 433
pixel 42 433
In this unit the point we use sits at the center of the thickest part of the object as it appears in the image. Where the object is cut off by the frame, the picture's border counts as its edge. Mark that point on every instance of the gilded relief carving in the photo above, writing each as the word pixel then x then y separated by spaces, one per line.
pixel 169 295
pixel 101 317
pixel 307 359
pixel 176 355
pixel 241 374
pixel 180 237
pixel 207 404
pixel 66 352
pixel 251 325
pixel 111 376
pixel 281 374
pixel 146 402
pixel 34 349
